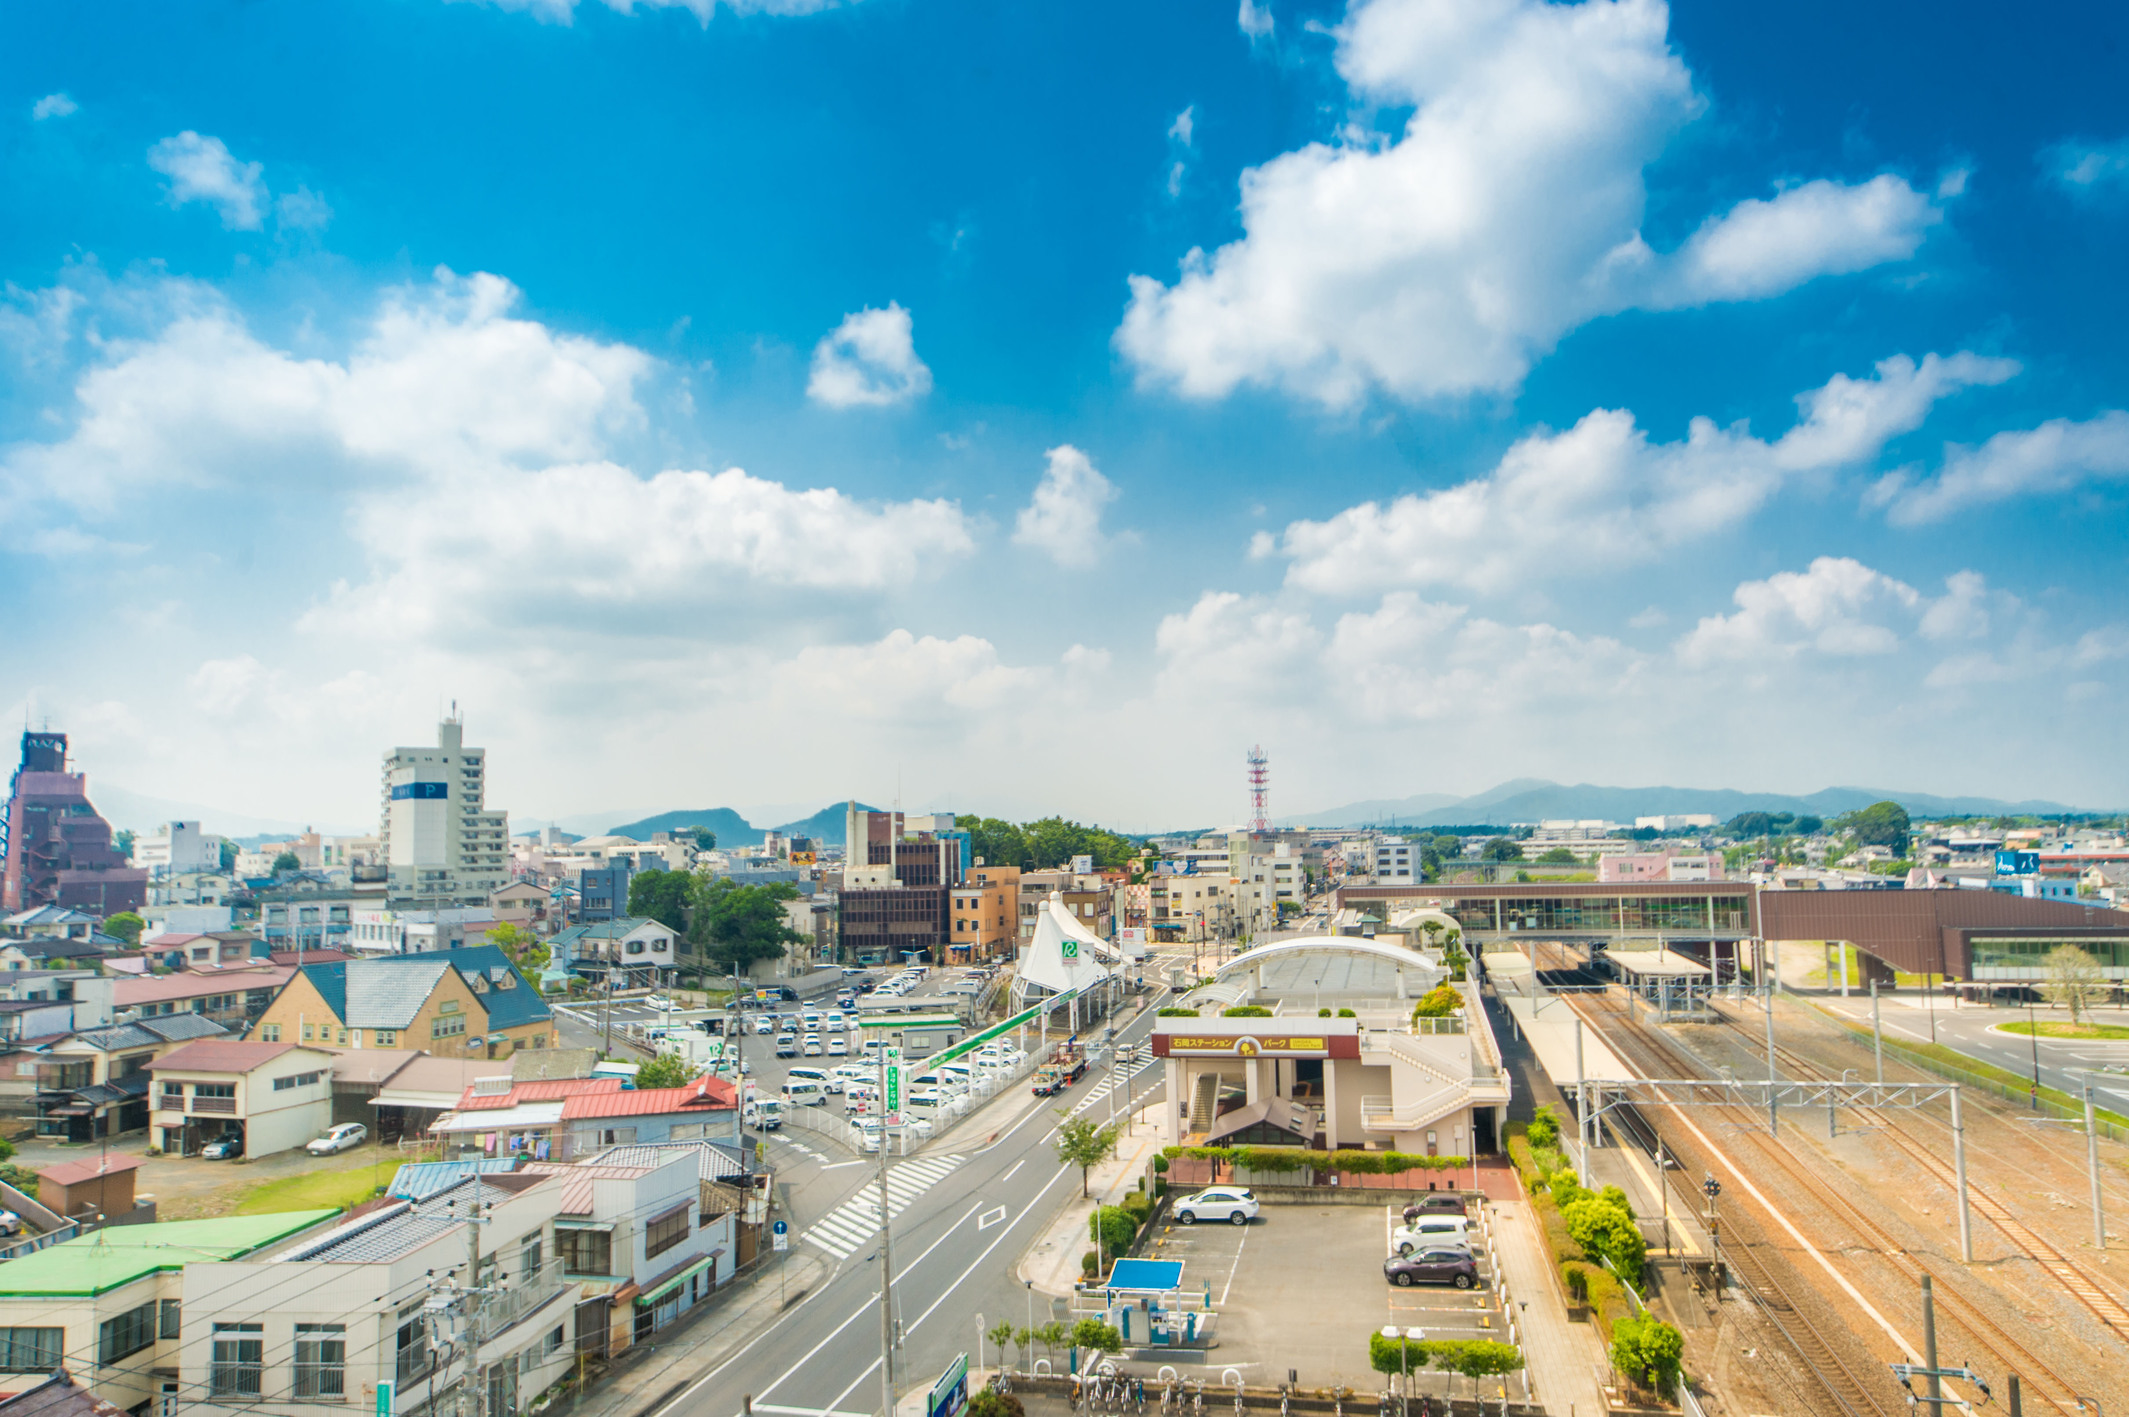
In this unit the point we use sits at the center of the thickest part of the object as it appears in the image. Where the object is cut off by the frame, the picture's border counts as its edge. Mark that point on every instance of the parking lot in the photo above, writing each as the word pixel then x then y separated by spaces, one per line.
pixel 1302 1287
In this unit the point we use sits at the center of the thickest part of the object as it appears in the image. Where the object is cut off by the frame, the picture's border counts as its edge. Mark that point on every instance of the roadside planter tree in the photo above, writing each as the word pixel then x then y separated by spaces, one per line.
pixel 2075 981
pixel 1083 1143
pixel 1096 1336
pixel 1649 1351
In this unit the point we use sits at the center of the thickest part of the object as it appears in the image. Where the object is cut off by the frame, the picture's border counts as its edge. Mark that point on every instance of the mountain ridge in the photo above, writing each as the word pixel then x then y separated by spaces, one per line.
pixel 1531 799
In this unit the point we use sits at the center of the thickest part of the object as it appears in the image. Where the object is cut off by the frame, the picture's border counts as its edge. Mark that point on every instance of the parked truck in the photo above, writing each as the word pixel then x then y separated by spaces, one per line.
pixel 764 1114
pixel 1066 1067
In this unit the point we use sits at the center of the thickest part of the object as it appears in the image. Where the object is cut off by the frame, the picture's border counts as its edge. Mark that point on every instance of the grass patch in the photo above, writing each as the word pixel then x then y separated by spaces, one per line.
pixel 313 1190
pixel 2066 1030
pixel 1951 1060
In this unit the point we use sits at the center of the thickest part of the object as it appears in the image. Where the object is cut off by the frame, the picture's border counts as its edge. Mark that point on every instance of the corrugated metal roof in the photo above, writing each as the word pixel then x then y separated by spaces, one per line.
pixel 220 1057
pixel 120 1254
pixel 535 1090
pixel 700 1095
pixel 417 1180
pixel 713 1163
pixel 389 1233
pixel 576 1181
pixel 389 991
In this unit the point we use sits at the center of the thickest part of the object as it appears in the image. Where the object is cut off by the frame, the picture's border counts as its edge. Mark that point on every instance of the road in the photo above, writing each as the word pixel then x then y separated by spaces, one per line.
pixel 2064 1062
pixel 968 1214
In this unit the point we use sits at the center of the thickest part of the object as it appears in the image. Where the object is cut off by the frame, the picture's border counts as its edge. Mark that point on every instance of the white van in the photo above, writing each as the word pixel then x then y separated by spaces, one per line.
pixel 764 1114
pixel 929 1104
pixel 804 1094
pixel 818 1077
pixel 812 1019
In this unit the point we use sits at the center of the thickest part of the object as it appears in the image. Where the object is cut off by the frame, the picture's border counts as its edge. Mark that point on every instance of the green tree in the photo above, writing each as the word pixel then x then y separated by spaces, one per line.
pixel 286 861
pixel 705 840
pixel 665 1070
pixel 1001 1336
pixel 1442 1001
pixel 2074 980
pixel 229 855
pixel 1083 1143
pixel 1475 1357
pixel 1099 1336
pixel 1649 1351
pixel 737 925
pixel 1395 1356
pixel 526 950
pixel 1807 825
pixel 122 842
pixel 1544 1129
pixel 662 896
pixel 1559 856
pixel 1112 1228
pixel 1880 824
pixel 126 926
pixel 1603 1226
pixel 1053 1336
pixel 1503 848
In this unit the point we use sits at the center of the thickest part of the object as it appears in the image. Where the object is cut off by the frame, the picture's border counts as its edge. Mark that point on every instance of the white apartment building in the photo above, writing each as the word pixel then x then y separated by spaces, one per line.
pixel 177 848
pixel 1675 823
pixel 1264 874
pixel 1396 862
pixel 440 844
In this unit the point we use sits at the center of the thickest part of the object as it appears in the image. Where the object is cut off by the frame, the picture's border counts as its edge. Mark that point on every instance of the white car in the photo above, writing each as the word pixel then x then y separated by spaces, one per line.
pixel 341 1138
pixel 1234 1204
pixel 812 1046
pixel 10 1223
pixel 833 1023
pixel 838 1047
pixel 660 1003
pixel 868 1134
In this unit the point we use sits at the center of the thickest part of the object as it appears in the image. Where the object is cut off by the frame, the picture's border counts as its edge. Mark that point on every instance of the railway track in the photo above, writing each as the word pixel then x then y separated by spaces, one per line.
pixel 2014 1356
pixel 2079 1282
pixel 1840 1383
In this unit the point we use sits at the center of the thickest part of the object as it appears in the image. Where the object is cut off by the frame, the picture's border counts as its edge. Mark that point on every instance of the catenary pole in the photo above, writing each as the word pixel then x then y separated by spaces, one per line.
pixel 1966 1220
pixel 1877 1032
pixel 2099 1214
pixel 1774 1077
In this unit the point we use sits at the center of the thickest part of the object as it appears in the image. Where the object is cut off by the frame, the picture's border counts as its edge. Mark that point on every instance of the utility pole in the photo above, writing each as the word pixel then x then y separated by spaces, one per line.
pixel 2099 1215
pixel 1966 1220
pixel 890 1110
pixel 1774 1077
pixel 1935 1387
pixel 1581 1107
pixel 1877 1032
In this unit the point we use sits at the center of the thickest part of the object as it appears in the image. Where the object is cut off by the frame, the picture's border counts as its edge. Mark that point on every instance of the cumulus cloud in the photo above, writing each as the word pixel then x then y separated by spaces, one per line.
pixel 1836 607
pixel 1255 20
pixel 2087 169
pixel 1446 259
pixel 203 170
pixel 2054 457
pixel 302 210
pixel 53 105
pixel 1063 519
pixel 870 360
pixel 1601 494
pixel 444 377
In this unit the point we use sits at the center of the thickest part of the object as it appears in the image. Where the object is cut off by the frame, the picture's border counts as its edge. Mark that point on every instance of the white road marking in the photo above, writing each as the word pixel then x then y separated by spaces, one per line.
pixel 989 1218
pixel 852 1224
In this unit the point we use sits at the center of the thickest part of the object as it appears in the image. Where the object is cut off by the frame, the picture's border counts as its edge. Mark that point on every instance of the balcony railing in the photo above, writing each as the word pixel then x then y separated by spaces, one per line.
pixel 221 1106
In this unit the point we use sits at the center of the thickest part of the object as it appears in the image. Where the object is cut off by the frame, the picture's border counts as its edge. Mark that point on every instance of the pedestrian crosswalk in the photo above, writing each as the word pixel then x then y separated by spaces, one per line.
pixel 851 1225
pixel 1120 1083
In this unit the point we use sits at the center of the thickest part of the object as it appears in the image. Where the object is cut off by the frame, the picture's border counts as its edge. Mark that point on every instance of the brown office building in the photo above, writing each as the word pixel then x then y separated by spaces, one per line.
pixel 57 846
pixel 898 882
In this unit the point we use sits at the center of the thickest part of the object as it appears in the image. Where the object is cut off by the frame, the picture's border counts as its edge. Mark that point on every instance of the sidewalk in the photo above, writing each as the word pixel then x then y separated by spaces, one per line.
pixel 1052 1262
pixel 648 1375
pixel 1563 1359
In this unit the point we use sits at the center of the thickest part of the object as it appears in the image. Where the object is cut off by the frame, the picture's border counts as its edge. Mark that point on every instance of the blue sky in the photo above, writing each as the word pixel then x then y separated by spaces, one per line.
pixel 1435 392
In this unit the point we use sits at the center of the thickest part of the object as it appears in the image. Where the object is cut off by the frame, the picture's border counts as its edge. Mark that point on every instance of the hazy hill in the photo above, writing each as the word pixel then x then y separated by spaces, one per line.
pixel 1532 800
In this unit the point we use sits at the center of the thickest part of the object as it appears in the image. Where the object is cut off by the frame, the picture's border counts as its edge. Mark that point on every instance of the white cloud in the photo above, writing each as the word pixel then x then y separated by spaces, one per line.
pixel 53 105
pixel 303 210
pixel 444 378
pixel 2085 169
pixel 458 558
pixel 1180 135
pixel 870 360
pixel 203 170
pixel 1063 519
pixel 1962 612
pixel 1255 20
pixel 1837 607
pixel 1185 124
pixel 1447 259
pixel 2055 457
pixel 1601 495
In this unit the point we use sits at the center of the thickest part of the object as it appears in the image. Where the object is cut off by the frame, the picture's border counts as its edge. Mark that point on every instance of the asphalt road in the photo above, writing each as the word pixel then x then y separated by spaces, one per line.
pixel 2064 1062
pixel 968 1216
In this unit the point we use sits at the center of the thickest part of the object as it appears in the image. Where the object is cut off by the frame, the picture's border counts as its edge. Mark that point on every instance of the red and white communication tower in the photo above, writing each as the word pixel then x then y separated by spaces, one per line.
pixel 1259 791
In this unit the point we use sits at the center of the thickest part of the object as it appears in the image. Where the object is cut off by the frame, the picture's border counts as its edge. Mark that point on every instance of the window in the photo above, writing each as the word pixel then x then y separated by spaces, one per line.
pixel 299 1080
pixel 310 1033
pixel 666 1231
pixel 447 1027
pixel 342 1040
pixel 528 1258
pixel 269 1033
pixel 172 1318
pixel 584 1251
pixel 412 1345
pixel 321 1360
pixel 239 1361
pixel 174 1094
pixel 30 1350
pixel 635 947
pixel 385 1037
pixel 215 1089
pixel 554 1342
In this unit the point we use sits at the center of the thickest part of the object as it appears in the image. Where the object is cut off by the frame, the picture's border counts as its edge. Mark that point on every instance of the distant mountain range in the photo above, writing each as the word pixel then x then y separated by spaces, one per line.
pixel 826 825
pixel 1534 799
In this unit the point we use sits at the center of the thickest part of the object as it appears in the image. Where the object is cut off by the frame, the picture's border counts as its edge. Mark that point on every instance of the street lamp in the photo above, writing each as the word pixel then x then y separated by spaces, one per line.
pixel 2033 1034
pixel 1405 1337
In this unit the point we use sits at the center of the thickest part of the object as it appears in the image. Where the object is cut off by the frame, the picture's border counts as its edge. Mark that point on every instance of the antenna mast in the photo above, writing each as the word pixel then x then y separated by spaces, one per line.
pixel 1259 791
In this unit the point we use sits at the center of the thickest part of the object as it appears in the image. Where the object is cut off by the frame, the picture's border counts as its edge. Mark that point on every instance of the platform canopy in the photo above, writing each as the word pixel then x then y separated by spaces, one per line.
pixel 1145 1277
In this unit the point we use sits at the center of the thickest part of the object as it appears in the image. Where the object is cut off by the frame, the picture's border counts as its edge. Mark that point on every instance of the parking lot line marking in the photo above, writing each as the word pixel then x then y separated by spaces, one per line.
pixel 1232 1268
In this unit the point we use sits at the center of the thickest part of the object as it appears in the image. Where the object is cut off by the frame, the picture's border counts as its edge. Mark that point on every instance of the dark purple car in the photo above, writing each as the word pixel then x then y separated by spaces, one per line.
pixel 1432 1266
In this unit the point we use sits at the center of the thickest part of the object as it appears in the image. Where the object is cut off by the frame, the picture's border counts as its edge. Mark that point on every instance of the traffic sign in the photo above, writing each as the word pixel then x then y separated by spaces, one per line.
pixel 385 1391
pixel 780 1236
pixel 891 1060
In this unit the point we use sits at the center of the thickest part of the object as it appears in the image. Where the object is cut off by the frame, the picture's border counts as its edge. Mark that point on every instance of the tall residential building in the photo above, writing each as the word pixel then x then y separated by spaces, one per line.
pixel 440 844
pixel 56 847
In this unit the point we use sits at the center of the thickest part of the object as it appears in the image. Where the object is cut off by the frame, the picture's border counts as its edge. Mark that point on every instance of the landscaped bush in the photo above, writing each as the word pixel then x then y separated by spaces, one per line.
pixel 1347 1013
pixel 1442 1001
pixel 1544 1129
pixel 1175 1013
pixel 1113 1227
pixel 1294 1158
pixel 1323 1013
pixel 1246 1011
pixel 1649 1351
